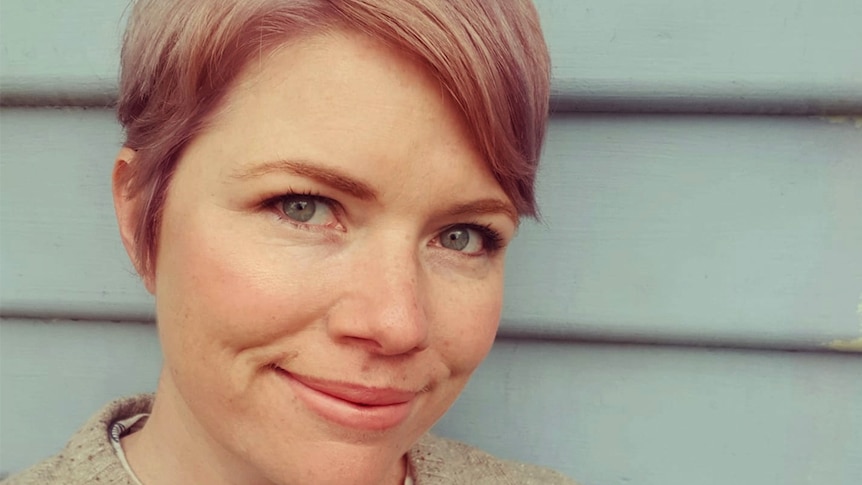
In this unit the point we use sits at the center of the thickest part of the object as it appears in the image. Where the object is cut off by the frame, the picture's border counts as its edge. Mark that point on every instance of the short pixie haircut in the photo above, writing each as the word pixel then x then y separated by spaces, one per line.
pixel 181 57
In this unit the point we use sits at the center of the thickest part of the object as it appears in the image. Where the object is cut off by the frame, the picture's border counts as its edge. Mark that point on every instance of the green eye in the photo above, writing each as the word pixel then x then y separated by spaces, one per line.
pixel 470 239
pixel 458 238
pixel 306 211
pixel 299 208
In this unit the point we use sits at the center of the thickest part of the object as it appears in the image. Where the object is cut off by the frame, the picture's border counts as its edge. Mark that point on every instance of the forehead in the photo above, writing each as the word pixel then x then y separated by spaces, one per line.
pixel 323 65
pixel 348 102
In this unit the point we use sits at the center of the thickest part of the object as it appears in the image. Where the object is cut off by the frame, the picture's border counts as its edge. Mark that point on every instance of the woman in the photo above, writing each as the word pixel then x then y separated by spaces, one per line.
pixel 319 195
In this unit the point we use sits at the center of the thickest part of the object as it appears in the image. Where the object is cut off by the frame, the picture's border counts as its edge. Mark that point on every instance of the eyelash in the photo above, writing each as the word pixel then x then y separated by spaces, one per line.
pixel 492 239
pixel 273 202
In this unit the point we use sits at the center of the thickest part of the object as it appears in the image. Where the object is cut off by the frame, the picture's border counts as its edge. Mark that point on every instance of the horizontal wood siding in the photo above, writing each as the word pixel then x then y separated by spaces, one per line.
pixel 649 316
pixel 731 230
pixel 754 56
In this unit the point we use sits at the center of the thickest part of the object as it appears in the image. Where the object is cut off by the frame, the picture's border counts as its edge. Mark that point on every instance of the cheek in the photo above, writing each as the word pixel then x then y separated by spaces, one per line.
pixel 216 286
pixel 467 323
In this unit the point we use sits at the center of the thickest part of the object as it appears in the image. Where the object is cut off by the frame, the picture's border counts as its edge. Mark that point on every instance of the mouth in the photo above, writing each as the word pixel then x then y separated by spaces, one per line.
pixel 351 405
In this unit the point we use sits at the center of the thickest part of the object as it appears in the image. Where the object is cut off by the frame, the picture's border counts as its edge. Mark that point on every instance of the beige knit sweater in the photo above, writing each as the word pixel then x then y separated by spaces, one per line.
pixel 89 458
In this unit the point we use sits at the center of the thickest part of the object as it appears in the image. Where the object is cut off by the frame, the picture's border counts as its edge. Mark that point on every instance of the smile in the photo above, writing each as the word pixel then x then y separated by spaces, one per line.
pixel 352 405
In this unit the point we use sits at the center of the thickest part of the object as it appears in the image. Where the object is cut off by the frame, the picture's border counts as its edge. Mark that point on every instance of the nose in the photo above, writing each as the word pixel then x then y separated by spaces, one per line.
pixel 384 308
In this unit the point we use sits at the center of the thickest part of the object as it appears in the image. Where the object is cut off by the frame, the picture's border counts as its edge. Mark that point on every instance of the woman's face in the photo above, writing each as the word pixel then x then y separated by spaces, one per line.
pixel 330 264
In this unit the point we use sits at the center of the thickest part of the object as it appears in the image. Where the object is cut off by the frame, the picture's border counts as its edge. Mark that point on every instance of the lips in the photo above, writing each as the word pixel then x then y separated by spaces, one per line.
pixel 357 394
pixel 352 405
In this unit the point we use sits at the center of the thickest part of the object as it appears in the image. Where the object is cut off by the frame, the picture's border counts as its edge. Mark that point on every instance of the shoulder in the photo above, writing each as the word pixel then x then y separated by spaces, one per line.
pixel 89 456
pixel 436 460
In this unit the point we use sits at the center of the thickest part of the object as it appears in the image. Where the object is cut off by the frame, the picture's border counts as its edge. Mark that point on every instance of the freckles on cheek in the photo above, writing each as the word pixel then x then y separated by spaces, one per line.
pixel 231 290
pixel 204 284
pixel 469 338
pixel 248 293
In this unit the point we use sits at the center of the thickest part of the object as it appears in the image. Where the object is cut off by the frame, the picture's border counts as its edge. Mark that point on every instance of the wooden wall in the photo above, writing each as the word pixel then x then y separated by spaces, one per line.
pixel 689 310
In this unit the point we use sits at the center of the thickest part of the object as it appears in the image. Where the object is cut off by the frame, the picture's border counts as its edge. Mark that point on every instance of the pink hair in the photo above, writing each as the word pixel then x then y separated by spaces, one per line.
pixel 180 57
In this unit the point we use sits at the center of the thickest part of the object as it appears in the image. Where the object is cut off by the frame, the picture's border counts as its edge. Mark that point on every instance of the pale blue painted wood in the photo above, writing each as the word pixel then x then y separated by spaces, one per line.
pixel 605 414
pixel 695 229
pixel 60 250
pixel 735 231
pixel 60 46
pixel 54 375
pixel 729 231
pixel 638 415
pixel 754 56
pixel 761 56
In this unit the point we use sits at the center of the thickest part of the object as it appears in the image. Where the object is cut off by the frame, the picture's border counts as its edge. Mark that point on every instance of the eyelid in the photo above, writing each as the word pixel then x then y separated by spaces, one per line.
pixel 333 205
pixel 492 240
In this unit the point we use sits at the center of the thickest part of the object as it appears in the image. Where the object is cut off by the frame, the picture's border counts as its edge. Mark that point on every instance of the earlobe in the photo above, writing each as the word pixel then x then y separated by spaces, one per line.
pixel 126 208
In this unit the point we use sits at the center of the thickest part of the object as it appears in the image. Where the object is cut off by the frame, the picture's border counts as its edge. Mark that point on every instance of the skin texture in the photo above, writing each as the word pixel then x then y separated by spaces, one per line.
pixel 366 292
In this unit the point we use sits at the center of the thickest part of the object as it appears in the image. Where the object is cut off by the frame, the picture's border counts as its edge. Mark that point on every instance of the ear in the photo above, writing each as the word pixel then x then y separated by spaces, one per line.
pixel 128 217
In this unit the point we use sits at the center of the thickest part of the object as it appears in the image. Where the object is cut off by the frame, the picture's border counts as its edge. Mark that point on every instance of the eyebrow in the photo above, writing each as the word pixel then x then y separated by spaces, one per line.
pixel 363 191
pixel 326 176
pixel 485 206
